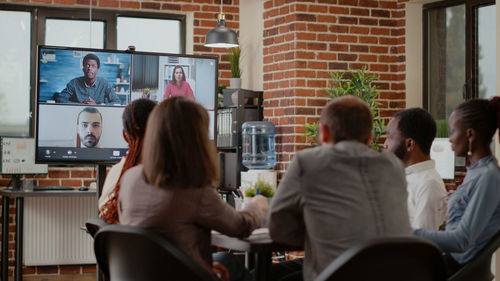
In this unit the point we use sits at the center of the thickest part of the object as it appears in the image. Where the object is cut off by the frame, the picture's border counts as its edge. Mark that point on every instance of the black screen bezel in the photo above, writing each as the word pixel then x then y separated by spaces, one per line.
pixel 100 161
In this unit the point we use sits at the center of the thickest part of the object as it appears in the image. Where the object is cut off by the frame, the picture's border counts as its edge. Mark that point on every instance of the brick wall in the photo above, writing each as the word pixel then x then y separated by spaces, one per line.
pixel 304 40
pixel 205 18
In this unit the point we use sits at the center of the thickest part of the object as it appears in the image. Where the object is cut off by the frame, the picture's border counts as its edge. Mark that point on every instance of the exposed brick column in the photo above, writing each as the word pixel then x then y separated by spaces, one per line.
pixel 304 40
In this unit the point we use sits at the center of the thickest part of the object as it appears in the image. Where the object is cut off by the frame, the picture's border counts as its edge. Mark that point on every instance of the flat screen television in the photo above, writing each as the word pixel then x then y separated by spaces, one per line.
pixel 81 95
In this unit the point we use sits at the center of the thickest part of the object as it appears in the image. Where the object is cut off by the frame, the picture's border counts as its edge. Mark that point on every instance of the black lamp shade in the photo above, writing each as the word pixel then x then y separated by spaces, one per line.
pixel 221 37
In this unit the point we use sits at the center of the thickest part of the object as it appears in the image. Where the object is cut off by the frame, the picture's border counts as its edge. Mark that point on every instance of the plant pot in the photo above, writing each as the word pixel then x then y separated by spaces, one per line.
pixel 247 200
pixel 234 83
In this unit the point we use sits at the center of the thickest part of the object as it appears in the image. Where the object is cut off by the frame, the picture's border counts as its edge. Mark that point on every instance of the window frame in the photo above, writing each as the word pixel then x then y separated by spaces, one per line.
pixel 471 85
pixel 40 13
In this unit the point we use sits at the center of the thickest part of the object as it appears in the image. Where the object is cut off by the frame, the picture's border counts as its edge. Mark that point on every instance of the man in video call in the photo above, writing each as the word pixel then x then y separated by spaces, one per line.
pixel 89 123
pixel 89 89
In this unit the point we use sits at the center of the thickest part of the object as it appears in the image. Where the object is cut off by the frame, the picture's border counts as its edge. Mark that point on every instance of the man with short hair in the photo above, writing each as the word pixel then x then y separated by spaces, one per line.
pixel 341 193
pixel 410 134
pixel 89 123
pixel 89 89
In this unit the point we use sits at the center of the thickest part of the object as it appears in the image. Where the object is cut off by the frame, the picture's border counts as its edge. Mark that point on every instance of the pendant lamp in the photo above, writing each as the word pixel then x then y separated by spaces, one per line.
pixel 221 36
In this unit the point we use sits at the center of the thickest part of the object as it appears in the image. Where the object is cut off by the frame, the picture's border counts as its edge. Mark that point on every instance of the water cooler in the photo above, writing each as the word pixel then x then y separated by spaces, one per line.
pixel 258 154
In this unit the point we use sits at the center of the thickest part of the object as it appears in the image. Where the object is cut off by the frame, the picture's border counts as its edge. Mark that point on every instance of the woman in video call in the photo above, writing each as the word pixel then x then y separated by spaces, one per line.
pixel 178 86
pixel 474 208
pixel 176 196
pixel 134 120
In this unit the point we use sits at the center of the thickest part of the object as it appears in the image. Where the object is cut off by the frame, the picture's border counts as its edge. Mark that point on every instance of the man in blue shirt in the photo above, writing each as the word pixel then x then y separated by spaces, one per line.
pixel 89 89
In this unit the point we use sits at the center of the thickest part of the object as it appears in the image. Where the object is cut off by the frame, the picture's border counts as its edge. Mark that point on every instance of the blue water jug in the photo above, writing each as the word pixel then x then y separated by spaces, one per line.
pixel 258 145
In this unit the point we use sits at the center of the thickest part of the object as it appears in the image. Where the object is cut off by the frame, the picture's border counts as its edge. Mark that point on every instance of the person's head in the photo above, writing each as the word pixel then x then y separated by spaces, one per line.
pixel 89 124
pixel 346 118
pixel 134 119
pixel 473 124
pixel 91 66
pixel 177 150
pixel 178 74
pixel 410 133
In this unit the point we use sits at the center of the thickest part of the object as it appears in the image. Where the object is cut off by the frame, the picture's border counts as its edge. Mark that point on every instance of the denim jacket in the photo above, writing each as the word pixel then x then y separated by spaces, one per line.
pixel 473 212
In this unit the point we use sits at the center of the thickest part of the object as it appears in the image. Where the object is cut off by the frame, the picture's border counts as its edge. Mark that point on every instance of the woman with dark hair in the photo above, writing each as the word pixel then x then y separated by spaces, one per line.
pixel 134 119
pixel 173 191
pixel 474 208
pixel 178 86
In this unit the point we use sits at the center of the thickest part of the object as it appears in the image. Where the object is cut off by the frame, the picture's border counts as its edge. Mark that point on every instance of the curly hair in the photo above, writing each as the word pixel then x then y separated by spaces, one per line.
pixel 134 118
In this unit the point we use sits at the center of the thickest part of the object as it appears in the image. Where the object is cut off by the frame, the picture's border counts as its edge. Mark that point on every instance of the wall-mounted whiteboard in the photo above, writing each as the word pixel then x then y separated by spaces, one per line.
pixel 444 157
pixel 18 157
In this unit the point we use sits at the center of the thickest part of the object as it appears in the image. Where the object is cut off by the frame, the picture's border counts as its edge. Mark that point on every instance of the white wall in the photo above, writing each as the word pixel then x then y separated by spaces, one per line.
pixel 414 58
pixel 250 39
pixel 189 32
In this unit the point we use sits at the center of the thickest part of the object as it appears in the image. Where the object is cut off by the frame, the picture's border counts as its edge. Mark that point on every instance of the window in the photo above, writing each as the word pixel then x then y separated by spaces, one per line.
pixel 15 73
pixel 74 33
pixel 166 37
pixel 459 54
pixel 30 26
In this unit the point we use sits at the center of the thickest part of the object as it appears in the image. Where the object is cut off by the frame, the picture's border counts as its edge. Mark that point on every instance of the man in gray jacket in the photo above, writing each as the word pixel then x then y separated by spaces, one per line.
pixel 341 193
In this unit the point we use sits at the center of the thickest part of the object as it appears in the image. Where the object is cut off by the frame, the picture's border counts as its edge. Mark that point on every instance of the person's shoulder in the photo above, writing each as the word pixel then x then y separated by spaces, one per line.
pixel 101 80
pixel 312 153
pixel 491 173
pixel 132 176
pixel 76 80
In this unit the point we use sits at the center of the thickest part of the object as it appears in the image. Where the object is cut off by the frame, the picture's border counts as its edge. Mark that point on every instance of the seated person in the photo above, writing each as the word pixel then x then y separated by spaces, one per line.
pixel 339 194
pixel 410 134
pixel 474 208
pixel 134 120
pixel 89 89
pixel 174 192
pixel 89 124
pixel 178 86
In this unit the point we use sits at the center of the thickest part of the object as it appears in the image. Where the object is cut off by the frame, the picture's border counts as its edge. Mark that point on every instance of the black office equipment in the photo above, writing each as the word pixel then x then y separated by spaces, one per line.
pixel 388 259
pixel 72 128
pixel 136 254
pixel 240 105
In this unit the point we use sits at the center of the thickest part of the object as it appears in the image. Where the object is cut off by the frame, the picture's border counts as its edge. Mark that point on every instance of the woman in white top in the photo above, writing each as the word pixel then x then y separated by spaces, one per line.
pixel 134 118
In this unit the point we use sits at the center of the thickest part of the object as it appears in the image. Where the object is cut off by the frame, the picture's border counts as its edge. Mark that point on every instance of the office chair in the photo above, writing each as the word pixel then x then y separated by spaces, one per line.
pixel 479 268
pixel 127 253
pixel 94 224
pixel 388 259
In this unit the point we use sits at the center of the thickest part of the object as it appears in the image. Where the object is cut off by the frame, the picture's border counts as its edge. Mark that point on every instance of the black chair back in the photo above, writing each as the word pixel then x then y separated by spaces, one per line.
pixel 388 259
pixel 479 268
pixel 128 253
pixel 94 224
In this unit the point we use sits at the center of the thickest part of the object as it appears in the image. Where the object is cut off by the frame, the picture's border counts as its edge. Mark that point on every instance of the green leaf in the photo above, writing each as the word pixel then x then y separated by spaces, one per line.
pixel 358 84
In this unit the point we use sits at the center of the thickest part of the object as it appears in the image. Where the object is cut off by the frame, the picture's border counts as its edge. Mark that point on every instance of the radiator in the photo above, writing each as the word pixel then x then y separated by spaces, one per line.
pixel 52 230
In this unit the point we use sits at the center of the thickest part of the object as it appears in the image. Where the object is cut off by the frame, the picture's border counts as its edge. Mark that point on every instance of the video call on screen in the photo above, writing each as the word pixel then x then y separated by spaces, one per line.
pixel 82 95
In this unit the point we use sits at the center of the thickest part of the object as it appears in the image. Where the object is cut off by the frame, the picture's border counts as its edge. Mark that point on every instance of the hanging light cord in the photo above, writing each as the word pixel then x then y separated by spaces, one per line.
pixel 90 24
pixel 221 6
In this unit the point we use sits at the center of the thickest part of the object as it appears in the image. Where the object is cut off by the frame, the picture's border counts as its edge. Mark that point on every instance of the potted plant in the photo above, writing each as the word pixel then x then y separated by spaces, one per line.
pixel 357 84
pixel 234 61
pixel 264 188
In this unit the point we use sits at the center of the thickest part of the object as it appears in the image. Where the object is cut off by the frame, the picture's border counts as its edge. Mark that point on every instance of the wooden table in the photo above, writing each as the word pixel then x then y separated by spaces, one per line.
pixel 18 240
pixel 258 244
